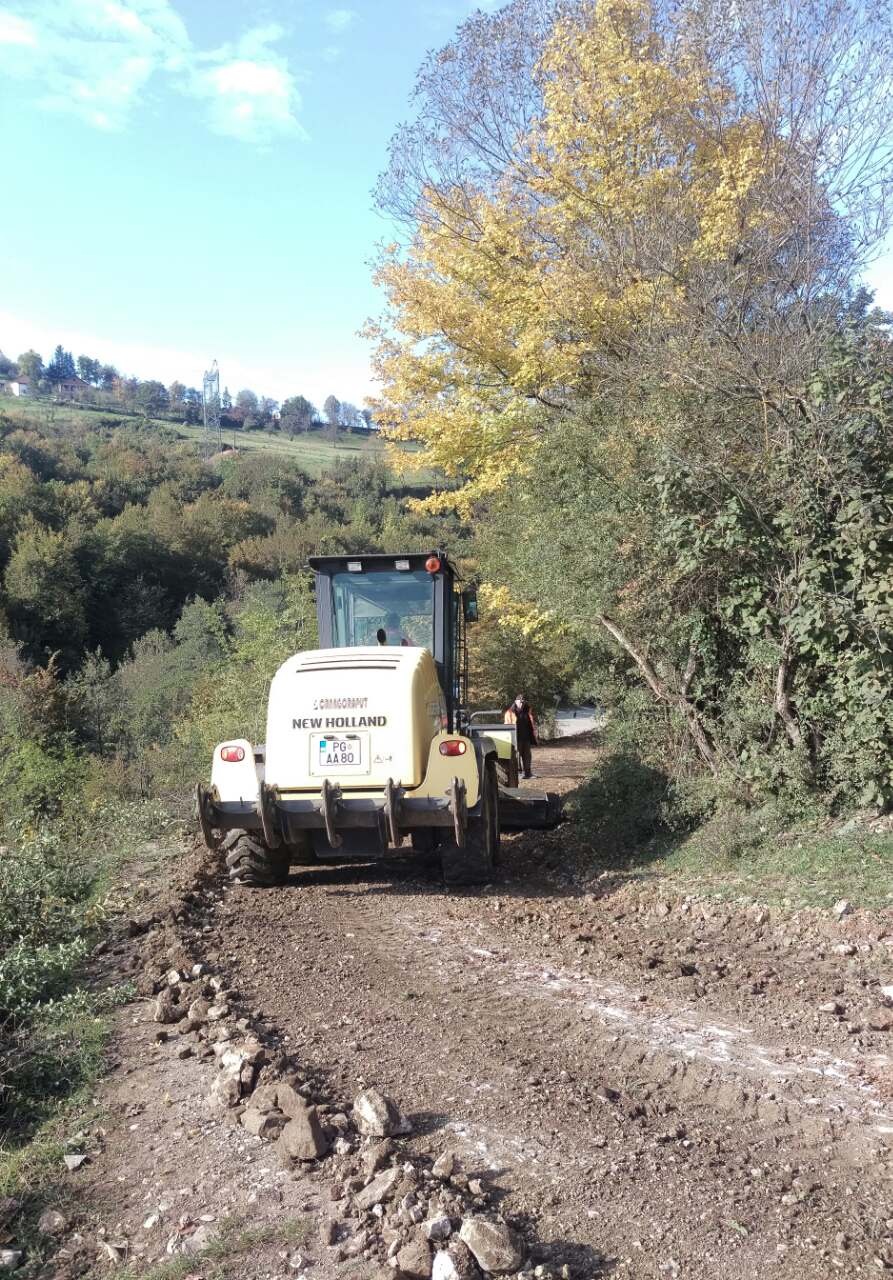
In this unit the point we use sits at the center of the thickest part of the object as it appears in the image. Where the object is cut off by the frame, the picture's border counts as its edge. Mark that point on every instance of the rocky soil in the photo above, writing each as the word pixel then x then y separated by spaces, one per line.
pixel 560 1074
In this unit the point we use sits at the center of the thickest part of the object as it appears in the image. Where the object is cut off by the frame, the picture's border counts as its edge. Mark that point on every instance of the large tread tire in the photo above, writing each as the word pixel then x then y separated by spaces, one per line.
pixel 476 861
pixel 250 862
pixel 510 770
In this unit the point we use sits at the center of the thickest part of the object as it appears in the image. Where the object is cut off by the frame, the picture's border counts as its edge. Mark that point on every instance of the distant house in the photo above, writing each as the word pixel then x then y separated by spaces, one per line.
pixel 69 388
pixel 19 387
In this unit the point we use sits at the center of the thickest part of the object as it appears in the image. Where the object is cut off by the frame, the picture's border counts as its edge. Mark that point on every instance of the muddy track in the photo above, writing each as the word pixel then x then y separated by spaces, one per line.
pixel 652 1083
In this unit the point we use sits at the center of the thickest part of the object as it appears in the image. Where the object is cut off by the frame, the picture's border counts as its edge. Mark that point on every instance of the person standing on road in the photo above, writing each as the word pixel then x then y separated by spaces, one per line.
pixel 520 714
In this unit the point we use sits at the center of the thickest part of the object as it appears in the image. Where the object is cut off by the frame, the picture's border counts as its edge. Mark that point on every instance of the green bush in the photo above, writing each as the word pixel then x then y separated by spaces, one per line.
pixel 44 929
pixel 37 780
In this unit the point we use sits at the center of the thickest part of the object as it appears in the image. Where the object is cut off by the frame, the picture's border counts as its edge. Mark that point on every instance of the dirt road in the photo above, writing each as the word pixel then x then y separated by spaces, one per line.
pixel 662 1088
pixel 648 1085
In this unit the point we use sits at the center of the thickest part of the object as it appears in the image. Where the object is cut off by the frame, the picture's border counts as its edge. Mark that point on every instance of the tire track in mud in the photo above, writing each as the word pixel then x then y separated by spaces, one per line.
pixel 821 1097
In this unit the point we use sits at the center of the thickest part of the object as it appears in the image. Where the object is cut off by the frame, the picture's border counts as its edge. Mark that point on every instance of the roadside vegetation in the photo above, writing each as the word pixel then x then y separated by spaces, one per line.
pixel 625 318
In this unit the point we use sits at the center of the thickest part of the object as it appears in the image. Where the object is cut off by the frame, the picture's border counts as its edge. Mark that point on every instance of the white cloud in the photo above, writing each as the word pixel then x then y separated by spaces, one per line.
pixel 250 91
pixel 98 59
pixel 331 53
pixel 340 19
pixel 16 30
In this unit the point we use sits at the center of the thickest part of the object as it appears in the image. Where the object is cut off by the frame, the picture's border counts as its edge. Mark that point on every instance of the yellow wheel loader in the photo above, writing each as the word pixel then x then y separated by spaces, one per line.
pixel 368 738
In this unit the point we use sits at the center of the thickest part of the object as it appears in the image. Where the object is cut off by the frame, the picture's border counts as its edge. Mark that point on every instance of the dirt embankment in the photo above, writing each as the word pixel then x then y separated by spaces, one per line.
pixel 643 1086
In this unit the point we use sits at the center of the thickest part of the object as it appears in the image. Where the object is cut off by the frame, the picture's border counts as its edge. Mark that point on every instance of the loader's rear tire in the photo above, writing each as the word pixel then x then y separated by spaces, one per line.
pixel 475 862
pixel 510 770
pixel 250 862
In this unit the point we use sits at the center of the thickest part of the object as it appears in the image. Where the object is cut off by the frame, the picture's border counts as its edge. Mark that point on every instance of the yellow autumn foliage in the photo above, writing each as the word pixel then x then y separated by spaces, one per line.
pixel 510 303
pixel 519 616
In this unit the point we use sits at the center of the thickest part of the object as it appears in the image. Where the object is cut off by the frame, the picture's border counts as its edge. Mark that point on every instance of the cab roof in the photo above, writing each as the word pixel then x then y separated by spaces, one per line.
pixel 375 561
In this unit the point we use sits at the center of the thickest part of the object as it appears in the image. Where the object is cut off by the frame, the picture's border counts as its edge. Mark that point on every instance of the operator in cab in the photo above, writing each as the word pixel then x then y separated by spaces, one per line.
pixel 392 631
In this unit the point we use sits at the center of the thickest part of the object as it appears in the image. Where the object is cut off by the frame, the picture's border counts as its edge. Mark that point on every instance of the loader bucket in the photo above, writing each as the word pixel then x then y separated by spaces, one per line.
pixel 522 810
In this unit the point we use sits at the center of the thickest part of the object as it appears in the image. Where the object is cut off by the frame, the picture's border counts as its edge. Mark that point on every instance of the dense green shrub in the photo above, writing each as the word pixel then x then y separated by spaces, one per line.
pixel 740 577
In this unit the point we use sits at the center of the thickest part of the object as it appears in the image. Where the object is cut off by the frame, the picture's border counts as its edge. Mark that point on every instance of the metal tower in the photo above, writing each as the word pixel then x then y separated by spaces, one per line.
pixel 213 440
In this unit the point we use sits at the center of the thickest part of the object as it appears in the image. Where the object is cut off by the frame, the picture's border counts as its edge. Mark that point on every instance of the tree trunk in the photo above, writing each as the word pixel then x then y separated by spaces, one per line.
pixel 782 697
pixel 666 693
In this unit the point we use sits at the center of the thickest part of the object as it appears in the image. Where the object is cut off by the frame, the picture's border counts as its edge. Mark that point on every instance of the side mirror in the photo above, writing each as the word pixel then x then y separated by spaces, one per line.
pixel 470 604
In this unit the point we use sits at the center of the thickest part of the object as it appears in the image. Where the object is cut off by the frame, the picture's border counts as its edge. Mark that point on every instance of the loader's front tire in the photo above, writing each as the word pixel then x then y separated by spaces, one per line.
pixel 474 863
pixel 251 862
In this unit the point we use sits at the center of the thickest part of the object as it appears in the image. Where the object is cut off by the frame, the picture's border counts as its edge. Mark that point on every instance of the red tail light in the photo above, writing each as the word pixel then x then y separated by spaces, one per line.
pixel 453 747
pixel 432 564
pixel 232 755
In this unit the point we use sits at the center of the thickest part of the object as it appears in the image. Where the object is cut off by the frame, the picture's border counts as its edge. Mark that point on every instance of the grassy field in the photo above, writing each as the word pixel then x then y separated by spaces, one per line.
pixel 313 452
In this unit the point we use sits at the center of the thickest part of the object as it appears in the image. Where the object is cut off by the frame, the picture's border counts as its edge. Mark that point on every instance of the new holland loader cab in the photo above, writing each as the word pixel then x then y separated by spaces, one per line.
pixel 368 739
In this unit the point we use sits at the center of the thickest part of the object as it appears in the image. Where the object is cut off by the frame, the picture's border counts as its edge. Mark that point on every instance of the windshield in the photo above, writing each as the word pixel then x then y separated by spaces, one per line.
pixel 386 608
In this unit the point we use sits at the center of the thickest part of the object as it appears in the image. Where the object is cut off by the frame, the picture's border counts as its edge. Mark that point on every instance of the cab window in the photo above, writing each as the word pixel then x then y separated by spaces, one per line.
pixel 384 608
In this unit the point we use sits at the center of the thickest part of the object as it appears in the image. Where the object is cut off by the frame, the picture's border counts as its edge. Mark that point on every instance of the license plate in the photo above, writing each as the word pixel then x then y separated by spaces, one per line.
pixel 335 753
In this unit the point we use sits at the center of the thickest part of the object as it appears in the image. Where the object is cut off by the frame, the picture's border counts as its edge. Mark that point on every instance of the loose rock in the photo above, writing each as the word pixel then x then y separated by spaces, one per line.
pixel 380 1189
pixel 302 1137
pixel 198 1241
pixel 455 1263
pixel 439 1228
pixel 414 1259
pixel 444 1166
pixel 263 1124
pixel 495 1246
pixel 51 1223
pixel 73 1162
pixel 166 1007
pixel 378 1116
pixel 10 1259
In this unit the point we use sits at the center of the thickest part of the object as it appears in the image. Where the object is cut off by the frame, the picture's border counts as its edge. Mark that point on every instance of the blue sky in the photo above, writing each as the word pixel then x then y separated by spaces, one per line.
pixel 190 180
pixel 186 180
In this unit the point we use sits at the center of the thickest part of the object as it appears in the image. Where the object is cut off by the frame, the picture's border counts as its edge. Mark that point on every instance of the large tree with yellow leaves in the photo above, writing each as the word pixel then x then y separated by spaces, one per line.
pixel 614 199
pixel 629 231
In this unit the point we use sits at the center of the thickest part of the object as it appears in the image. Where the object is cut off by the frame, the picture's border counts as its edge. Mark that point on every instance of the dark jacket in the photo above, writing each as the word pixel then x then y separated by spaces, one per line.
pixel 524 722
